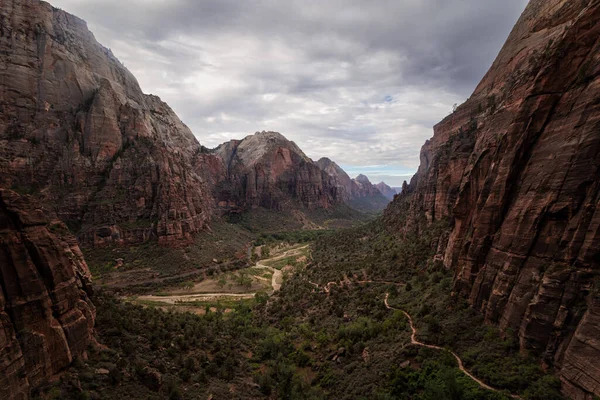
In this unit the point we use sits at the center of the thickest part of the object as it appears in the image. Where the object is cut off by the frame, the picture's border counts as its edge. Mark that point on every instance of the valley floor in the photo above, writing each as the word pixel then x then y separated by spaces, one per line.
pixel 365 315
pixel 265 277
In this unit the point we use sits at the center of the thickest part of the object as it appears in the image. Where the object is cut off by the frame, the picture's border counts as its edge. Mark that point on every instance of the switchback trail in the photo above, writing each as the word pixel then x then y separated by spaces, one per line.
pixel 413 336
pixel 413 340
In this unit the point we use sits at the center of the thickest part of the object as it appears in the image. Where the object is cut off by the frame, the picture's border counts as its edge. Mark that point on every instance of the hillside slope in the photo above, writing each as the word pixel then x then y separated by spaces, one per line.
pixel 516 169
pixel 386 190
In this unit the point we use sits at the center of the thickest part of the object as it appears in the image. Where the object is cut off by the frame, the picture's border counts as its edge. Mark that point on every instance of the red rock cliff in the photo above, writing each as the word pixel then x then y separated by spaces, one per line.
pixel 46 318
pixel 386 190
pixel 76 130
pixel 516 170
pixel 267 170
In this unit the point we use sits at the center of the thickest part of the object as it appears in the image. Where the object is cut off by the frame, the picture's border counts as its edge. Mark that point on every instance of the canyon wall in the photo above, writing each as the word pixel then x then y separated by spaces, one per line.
pixel 76 131
pixel 516 171
pixel 46 317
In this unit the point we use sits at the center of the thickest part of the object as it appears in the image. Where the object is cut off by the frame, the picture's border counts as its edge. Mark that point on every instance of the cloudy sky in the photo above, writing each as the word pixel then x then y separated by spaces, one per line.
pixel 361 82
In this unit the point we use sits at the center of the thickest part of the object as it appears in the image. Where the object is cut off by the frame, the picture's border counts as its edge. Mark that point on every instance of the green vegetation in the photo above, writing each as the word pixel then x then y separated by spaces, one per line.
pixel 24 190
pixel 225 243
pixel 370 205
pixel 295 256
pixel 304 236
pixel 265 222
pixel 283 262
pixel 440 318
pixel 308 343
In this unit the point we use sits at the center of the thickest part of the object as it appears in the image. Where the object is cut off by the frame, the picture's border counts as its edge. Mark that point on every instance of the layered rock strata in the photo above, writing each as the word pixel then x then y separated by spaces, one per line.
pixel 46 317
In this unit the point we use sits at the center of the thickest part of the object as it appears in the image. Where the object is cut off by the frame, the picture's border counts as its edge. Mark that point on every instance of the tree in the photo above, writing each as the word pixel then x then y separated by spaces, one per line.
pixel 222 282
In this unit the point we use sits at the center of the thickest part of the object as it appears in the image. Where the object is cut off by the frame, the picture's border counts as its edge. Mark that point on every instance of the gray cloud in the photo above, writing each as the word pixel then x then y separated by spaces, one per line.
pixel 359 82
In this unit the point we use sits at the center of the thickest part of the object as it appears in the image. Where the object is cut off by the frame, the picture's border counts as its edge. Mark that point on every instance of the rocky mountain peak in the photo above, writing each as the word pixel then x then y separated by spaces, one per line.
pixel 333 169
pixel 270 135
pixel 268 170
pixel 362 179
pixel 324 162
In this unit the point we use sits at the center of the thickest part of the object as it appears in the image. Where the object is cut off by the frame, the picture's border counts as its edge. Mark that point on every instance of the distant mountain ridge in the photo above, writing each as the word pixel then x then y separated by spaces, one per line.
pixel 268 170
pixel 359 193
pixel 386 190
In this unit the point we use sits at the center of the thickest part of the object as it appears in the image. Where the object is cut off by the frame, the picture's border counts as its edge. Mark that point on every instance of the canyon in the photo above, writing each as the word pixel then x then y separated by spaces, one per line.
pixel 117 165
pixel 359 192
pixel 514 172
pixel 83 149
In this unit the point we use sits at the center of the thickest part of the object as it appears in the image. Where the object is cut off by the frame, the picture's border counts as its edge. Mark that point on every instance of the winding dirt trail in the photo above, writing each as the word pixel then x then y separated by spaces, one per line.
pixel 277 278
pixel 276 282
pixel 327 287
pixel 413 340
pixel 413 336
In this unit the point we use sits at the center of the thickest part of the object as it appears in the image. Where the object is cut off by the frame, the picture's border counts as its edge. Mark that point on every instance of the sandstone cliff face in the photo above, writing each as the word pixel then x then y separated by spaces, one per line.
pixel 386 190
pixel 359 193
pixel 267 170
pixel 516 170
pixel 365 187
pixel 46 318
pixel 346 187
pixel 77 131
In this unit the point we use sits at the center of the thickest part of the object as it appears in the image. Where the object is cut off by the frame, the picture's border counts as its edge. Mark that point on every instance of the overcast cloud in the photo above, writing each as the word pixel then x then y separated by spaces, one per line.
pixel 361 82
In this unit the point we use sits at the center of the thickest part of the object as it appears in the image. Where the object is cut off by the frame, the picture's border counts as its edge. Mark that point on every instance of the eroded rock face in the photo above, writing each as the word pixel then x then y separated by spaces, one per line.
pixel 516 170
pixel 386 190
pixel 76 130
pixel 346 187
pixel 364 187
pixel 46 317
pixel 267 170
